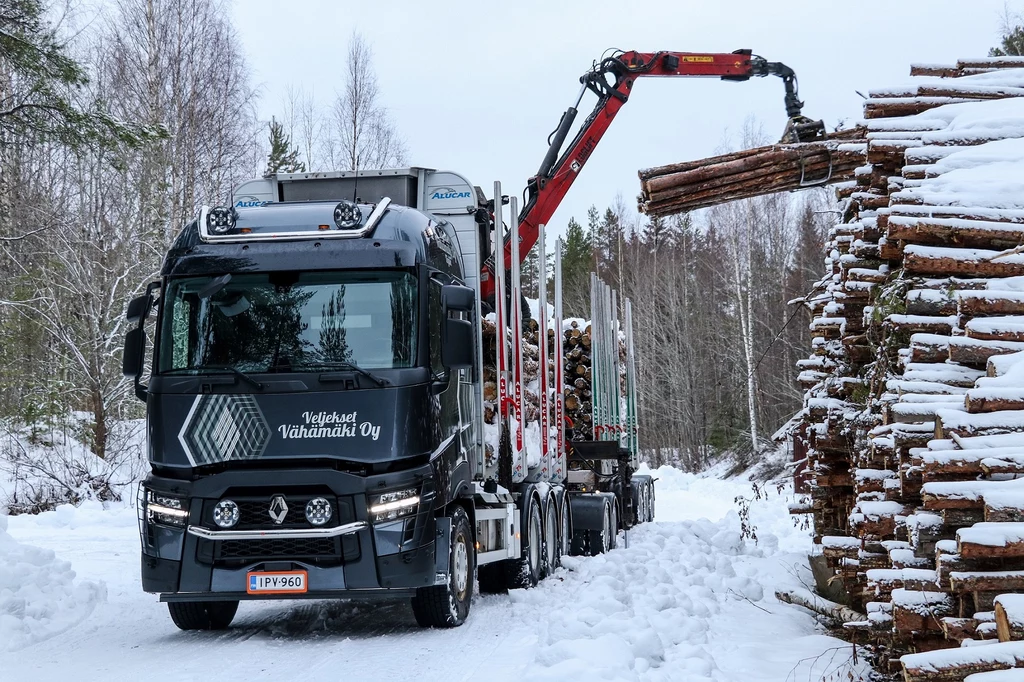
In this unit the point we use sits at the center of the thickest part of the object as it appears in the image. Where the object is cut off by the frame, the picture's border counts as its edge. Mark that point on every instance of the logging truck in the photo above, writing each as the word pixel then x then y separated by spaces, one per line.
pixel 315 387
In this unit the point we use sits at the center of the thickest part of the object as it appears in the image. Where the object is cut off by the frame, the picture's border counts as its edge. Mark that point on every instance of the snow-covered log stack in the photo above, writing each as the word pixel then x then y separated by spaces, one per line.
pixel 914 411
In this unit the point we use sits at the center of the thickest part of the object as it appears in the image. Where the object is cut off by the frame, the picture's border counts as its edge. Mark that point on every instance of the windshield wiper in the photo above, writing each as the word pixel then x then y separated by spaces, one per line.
pixel 222 369
pixel 380 381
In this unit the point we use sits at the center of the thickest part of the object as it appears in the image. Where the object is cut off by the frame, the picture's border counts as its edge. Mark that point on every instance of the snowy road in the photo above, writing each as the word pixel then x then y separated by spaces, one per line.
pixel 688 600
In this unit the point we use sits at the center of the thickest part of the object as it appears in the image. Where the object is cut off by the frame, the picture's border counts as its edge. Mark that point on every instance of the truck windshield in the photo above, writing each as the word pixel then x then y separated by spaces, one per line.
pixel 289 322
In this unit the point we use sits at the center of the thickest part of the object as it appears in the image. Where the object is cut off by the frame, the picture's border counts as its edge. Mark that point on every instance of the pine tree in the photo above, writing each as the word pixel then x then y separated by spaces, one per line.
pixel 46 84
pixel 282 158
pixel 528 273
pixel 577 259
pixel 1011 44
pixel 593 233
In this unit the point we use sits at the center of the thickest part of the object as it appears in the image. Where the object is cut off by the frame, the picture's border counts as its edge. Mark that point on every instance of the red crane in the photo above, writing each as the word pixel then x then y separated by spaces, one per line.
pixel 612 81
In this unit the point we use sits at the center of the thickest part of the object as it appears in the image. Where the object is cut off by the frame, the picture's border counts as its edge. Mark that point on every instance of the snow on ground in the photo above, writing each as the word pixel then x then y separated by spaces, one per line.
pixel 38 595
pixel 688 599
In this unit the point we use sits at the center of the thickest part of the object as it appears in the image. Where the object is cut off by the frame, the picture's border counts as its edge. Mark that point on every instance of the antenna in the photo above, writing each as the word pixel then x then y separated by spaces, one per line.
pixel 355 185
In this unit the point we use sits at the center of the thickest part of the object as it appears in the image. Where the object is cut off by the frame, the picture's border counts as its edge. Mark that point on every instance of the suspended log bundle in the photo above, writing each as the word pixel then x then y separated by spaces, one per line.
pixel 753 172
pixel 913 498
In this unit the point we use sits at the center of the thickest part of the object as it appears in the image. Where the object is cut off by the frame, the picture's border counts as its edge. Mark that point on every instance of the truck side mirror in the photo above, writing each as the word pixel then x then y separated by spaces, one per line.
pixel 457 334
pixel 134 352
pixel 457 344
pixel 457 297
pixel 138 308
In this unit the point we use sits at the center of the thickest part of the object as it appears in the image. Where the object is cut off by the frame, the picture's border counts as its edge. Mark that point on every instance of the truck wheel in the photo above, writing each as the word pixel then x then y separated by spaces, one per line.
pixel 578 545
pixel 613 525
pixel 202 615
pixel 446 606
pixel 649 501
pixel 565 530
pixel 599 541
pixel 525 572
pixel 551 543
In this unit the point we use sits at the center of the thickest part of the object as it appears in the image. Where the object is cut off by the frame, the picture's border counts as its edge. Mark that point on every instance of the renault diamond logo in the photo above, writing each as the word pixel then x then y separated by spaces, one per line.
pixel 278 509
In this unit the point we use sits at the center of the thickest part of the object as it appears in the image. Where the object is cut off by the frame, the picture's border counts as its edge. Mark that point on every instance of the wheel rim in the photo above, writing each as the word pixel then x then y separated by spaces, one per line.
pixel 460 568
pixel 613 524
pixel 551 536
pixel 606 541
pixel 535 540
pixel 564 540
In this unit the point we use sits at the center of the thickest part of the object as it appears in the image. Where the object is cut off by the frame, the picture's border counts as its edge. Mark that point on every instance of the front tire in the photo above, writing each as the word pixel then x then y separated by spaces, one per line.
pixel 202 615
pixel 447 606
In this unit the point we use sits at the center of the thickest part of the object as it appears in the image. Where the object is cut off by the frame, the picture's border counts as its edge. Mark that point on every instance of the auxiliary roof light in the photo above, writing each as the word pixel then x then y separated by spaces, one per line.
pixel 220 220
pixel 347 215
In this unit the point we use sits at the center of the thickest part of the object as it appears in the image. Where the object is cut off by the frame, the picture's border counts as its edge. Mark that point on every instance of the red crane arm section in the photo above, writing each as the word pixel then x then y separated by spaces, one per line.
pixel 612 80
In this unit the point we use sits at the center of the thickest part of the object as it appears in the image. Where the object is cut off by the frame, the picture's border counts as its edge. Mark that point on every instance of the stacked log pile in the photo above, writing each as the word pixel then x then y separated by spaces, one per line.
pixel 914 411
pixel 577 391
pixel 777 168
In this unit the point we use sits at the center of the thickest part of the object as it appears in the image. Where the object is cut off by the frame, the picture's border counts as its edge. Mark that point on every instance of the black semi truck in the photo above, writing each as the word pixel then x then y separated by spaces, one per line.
pixel 315 413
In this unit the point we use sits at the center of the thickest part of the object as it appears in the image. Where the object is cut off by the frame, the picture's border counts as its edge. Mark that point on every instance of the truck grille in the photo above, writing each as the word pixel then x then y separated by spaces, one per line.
pixel 254 514
pixel 305 548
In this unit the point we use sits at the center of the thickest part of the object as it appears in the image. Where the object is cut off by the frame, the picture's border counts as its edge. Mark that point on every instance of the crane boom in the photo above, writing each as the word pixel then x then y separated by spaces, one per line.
pixel 612 80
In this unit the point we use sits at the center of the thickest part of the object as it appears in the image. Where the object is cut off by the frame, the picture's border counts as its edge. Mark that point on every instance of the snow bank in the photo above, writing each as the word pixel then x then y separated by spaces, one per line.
pixel 38 594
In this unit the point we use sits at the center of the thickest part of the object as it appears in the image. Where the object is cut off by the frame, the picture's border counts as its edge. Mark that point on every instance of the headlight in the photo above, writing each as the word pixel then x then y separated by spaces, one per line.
pixel 318 511
pixel 394 505
pixel 226 514
pixel 165 509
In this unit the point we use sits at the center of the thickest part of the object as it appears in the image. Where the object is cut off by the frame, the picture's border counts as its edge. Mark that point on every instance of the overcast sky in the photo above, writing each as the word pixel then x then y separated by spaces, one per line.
pixel 476 86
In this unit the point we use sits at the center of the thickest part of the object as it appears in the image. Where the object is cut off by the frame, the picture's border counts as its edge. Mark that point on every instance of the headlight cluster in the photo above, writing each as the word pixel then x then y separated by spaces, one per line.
pixel 396 504
pixel 165 509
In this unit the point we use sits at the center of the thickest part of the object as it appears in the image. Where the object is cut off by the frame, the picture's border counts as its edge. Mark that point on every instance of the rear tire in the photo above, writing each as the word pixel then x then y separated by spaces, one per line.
pixel 649 502
pixel 447 606
pixel 552 546
pixel 202 615
pixel 613 525
pixel 564 529
pixel 599 541
pixel 525 572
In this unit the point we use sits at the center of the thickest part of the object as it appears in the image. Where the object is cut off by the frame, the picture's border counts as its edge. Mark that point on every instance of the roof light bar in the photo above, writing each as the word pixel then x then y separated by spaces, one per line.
pixel 344 212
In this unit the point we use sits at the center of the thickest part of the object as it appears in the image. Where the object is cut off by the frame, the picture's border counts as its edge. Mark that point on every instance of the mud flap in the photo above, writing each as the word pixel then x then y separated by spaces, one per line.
pixel 587 511
pixel 442 549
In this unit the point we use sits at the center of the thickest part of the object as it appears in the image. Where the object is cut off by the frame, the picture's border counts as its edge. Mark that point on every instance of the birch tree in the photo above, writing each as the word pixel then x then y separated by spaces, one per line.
pixel 367 138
